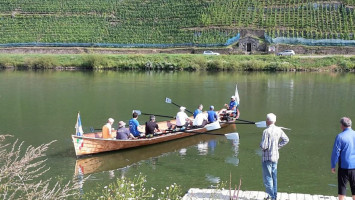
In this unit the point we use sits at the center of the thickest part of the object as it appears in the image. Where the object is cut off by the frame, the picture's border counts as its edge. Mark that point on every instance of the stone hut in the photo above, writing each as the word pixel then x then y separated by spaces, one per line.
pixel 249 44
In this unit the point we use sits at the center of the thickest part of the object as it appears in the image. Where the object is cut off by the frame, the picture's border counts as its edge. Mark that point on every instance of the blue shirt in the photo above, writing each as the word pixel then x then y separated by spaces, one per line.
pixel 133 127
pixel 212 116
pixel 233 104
pixel 197 111
pixel 344 150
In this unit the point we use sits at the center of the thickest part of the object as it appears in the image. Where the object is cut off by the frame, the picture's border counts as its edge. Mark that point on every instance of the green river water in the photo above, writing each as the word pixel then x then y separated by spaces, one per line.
pixel 40 106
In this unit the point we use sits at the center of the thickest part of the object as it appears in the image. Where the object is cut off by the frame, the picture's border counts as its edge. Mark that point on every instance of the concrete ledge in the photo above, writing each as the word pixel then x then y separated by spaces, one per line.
pixel 215 194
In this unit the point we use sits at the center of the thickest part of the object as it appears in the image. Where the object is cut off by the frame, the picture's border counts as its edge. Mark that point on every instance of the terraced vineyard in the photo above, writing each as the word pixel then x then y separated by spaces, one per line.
pixel 170 21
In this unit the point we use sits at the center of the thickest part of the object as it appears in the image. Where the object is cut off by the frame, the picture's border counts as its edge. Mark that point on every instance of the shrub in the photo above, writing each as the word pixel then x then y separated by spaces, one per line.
pixel 95 61
pixel 19 170
pixel 253 65
pixel 215 65
pixel 5 62
pixel 346 65
pixel 45 62
pixel 134 189
pixel 201 62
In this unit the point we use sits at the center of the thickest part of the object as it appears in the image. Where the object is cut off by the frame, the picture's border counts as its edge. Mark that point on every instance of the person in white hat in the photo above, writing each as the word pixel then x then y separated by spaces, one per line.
pixel 182 119
pixel 270 145
pixel 232 106
pixel 123 133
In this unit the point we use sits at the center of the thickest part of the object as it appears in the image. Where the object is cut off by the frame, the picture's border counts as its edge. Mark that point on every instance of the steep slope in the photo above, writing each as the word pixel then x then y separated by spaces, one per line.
pixel 170 21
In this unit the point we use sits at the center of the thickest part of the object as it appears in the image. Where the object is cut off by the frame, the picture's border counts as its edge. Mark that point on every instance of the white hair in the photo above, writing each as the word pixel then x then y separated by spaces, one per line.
pixel 110 120
pixel 346 121
pixel 271 117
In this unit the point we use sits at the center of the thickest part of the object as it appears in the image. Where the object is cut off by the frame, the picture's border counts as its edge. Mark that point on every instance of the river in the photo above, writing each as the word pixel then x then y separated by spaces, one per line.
pixel 41 106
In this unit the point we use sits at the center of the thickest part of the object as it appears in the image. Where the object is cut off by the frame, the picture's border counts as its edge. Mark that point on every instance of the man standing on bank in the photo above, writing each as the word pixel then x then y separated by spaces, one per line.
pixel 344 154
pixel 270 145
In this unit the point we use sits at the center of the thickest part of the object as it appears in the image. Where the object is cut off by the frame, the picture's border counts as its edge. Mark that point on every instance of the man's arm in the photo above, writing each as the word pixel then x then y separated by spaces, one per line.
pixel 284 139
pixel 335 152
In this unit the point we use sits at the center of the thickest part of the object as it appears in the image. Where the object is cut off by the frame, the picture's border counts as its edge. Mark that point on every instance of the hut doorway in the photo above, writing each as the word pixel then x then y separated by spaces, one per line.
pixel 248 47
pixel 248 44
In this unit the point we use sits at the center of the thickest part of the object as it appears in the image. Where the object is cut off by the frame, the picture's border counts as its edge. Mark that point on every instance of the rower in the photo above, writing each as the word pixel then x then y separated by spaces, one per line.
pixel 134 124
pixel 212 115
pixel 200 120
pixel 107 129
pixel 182 120
pixel 232 106
pixel 123 133
pixel 198 110
pixel 151 127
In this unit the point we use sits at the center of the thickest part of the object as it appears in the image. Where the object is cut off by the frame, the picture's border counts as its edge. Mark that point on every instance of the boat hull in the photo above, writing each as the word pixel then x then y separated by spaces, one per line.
pixel 91 143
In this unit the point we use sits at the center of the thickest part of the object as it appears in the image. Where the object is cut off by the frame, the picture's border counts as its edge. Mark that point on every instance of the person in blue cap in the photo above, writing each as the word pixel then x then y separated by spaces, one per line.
pixel 212 115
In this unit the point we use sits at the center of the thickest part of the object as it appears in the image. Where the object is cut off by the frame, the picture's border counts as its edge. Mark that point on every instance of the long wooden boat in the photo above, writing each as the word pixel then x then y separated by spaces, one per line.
pixel 92 143
pixel 125 158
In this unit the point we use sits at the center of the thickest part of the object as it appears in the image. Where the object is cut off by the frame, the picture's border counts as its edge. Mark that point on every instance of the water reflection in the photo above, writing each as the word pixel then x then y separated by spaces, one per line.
pixel 202 148
pixel 183 151
pixel 212 145
pixel 213 179
pixel 234 138
pixel 117 164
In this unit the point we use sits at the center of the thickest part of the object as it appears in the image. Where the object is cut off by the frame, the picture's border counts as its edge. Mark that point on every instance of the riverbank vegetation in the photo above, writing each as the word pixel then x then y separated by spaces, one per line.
pixel 22 177
pixel 135 188
pixel 187 62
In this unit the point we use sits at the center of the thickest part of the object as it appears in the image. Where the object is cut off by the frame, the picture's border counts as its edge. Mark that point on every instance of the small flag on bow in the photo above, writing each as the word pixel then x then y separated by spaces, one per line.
pixel 78 127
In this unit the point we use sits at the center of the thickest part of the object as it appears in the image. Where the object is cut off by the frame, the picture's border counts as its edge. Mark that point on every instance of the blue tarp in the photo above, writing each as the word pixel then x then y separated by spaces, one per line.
pixel 59 44
pixel 310 42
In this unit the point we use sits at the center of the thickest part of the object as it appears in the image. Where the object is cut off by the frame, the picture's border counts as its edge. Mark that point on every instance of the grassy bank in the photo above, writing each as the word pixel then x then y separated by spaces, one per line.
pixel 176 62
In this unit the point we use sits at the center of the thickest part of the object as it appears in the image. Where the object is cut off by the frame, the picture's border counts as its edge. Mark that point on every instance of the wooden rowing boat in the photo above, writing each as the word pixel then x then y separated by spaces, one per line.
pixel 92 143
pixel 125 158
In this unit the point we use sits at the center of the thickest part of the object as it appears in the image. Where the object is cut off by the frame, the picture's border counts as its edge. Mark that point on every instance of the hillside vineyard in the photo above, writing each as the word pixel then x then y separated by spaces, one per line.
pixel 171 21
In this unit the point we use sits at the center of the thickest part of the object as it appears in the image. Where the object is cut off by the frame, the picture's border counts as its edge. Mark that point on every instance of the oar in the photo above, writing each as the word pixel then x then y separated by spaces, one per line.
pixel 140 113
pixel 261 124
pixel 188 131
pixel 168 100
pixel 242 120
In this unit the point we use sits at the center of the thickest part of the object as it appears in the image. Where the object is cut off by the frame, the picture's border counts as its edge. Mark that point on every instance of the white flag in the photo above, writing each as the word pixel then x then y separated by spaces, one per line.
pixel 78 127
pixel 237 94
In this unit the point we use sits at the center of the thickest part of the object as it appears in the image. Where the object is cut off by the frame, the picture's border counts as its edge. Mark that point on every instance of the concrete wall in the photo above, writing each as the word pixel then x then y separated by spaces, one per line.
pixel 317 49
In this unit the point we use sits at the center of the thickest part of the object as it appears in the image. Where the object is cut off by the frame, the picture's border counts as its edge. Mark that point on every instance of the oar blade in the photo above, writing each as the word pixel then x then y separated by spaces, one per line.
pixel 167 100
pixel 137 111
pixel 261 124
pixel 213 126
